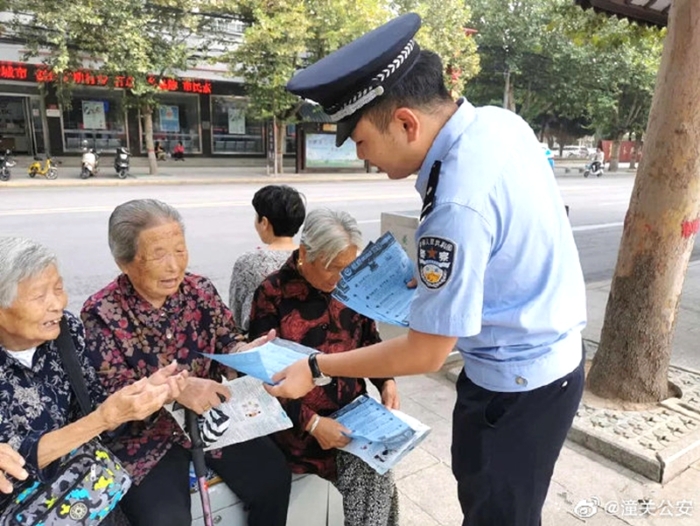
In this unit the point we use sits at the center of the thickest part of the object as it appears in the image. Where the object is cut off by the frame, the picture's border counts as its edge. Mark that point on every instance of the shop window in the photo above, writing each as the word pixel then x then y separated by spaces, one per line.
pixel 95 119
pixel 175 120
pixel 232 131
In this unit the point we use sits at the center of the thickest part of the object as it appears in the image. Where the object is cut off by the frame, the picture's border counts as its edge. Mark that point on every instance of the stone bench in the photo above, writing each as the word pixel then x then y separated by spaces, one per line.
pixel 313 502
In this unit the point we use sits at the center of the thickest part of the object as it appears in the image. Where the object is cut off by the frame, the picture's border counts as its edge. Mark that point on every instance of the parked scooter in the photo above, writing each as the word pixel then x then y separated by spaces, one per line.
pixel 594 168
pixel 121 162
pixel 6 162
pixel 44 166
pixel 89 163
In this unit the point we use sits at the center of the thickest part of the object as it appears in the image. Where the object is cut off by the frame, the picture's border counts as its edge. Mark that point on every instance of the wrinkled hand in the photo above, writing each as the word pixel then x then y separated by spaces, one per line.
pixel 202 394
pixel 11 463
pixel 293 381
pixel 176 381
pixel 258 341
pixel 390 395
pixel 330 434
pixel 133 402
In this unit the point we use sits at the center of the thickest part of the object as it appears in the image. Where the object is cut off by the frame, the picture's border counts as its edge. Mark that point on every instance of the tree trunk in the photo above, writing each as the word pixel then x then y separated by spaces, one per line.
pixel 147 113
pixel 615 154
pixel 509 93
pixel 637 149
pixel 635 347
pixel 279 152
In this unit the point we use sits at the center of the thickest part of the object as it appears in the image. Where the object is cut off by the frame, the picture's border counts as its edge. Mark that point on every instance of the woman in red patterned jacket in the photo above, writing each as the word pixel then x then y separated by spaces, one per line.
pixel 297 302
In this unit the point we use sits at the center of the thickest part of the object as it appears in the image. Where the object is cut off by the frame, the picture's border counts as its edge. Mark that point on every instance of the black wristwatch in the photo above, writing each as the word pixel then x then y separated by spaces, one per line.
pixel 319 378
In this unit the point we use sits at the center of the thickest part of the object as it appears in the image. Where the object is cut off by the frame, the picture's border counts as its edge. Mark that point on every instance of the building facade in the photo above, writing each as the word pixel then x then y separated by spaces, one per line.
pixel 204 108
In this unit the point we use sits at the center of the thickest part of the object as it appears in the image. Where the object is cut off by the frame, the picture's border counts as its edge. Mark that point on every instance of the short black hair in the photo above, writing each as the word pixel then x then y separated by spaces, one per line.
pixel 423 87
pixel 283 206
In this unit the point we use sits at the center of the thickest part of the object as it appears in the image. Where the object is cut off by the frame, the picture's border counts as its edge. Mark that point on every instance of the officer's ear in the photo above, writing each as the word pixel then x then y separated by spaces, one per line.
pixel 410 123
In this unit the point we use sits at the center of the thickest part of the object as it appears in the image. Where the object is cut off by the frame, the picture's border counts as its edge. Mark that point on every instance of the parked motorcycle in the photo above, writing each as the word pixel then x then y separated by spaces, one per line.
pixel 89 163
pixel 45 166
pixel 594 168
pixel 121 162
pixel 6 162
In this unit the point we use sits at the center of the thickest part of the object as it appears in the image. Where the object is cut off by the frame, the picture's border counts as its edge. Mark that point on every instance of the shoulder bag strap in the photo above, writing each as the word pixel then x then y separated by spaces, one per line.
pixel 69 357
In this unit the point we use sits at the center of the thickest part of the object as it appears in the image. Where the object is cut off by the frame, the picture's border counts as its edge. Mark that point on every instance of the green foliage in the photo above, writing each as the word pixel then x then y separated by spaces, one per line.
pixel 287 35
pixel 444 31
pixel 571 72
pixel 116 37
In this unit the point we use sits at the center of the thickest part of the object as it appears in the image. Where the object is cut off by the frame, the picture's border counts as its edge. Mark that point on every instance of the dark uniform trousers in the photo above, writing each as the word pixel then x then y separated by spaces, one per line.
pixel 505 445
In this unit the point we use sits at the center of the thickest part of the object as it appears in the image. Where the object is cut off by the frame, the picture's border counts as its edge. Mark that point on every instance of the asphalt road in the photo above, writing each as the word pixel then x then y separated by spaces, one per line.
pixel 219 221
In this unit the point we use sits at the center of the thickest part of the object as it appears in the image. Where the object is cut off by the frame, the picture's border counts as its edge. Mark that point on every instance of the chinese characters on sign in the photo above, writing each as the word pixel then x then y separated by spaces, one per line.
pixel 12 71
pixel 587 508
pixel 43 74
pixel 190 86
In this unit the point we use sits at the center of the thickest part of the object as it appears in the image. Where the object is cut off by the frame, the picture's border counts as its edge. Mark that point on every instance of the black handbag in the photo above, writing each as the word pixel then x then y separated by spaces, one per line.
pixel 89 481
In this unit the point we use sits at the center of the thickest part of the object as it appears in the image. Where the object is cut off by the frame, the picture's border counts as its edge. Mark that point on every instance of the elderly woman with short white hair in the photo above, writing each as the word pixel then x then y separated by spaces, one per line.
pixel 296 301
pixel 39 415
pixel 155 312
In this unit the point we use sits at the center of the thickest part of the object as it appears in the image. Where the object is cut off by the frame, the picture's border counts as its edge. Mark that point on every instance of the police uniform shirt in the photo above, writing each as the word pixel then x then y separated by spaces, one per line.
pixel 497 261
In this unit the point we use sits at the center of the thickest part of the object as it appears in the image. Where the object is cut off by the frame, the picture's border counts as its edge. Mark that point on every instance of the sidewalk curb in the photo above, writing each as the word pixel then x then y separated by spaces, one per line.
pixel 171 180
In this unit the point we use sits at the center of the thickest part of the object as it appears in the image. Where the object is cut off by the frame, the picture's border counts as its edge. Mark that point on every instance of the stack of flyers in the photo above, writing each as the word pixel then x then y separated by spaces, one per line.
pixel 375 284
pixel 381 437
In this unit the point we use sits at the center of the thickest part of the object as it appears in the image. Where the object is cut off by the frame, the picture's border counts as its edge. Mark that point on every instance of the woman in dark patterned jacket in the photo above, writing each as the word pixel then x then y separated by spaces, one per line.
pixel 296 301
pixel 153 313
pixel 39 414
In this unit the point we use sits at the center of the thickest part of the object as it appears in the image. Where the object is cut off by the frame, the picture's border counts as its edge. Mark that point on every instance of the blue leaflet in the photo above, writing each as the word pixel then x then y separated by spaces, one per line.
pixel 375 283
pixel 265 361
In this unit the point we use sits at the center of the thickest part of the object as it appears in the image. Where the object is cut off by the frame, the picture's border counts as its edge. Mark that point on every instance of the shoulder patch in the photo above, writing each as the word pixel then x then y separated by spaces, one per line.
pixel 436 257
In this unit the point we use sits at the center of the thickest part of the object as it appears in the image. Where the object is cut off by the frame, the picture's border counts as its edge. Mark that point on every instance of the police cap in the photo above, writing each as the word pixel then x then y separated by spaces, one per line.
pixel 345 82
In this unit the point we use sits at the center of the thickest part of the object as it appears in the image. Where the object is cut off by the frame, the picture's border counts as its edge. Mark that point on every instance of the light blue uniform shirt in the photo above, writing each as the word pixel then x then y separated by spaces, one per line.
pixel 497 261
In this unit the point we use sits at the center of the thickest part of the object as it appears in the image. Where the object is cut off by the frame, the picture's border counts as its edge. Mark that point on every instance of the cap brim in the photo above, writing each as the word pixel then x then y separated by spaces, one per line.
pixel 345 128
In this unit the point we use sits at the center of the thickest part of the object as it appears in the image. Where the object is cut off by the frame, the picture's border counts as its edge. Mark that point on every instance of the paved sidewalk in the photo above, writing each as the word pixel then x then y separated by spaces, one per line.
pixel 581 478
pixel 204 170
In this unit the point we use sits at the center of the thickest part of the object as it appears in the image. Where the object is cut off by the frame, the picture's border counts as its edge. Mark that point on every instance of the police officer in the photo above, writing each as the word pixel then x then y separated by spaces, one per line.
pixel 499 276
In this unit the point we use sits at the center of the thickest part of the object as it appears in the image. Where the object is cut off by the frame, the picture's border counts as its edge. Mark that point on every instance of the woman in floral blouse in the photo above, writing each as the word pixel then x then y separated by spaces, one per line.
pixel 39 414
pixel 296 301
pixel 153 313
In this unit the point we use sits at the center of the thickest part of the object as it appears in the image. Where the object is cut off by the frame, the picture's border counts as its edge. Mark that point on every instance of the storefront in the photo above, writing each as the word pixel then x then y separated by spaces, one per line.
pixel 232 131
pixel 176 119
pixel 208 115
pixel 22 121
pixel 95 118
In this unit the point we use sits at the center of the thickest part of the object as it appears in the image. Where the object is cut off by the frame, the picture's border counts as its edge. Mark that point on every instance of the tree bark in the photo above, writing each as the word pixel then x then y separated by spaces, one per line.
pixel 635 347
pixel 279 140
pixel 636 150
pixel 147 113
pixel 509 92
pixel 615 154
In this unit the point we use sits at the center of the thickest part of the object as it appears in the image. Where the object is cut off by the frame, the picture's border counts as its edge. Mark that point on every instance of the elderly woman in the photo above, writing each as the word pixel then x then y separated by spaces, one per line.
pixel 11 464
pixel 39 416
pixel 153 313
pixel 279 214
pixel 296 301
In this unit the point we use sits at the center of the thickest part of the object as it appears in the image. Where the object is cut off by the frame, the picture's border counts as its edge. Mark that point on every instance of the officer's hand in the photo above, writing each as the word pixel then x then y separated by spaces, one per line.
pixel 11 463
pixel 330 434
pixel 390 395
pixel 292 382
pixel 412 284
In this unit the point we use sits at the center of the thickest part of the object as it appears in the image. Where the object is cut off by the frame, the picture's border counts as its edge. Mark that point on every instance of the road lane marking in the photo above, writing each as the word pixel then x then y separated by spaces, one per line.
pixel 210 204
pixel 601 226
